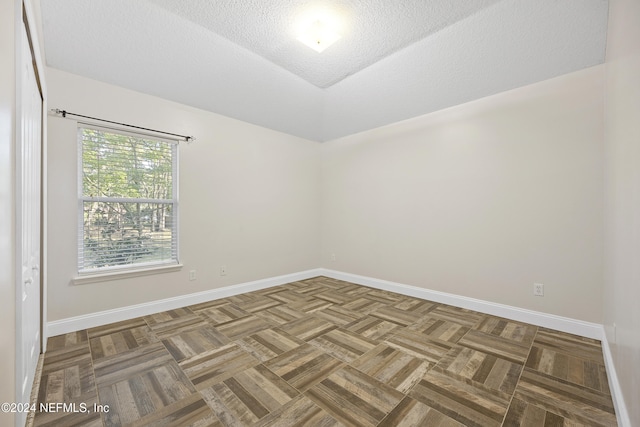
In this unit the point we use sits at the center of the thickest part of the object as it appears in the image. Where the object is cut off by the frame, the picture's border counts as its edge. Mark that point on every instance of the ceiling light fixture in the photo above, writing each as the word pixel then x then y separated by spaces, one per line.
pixel 318 35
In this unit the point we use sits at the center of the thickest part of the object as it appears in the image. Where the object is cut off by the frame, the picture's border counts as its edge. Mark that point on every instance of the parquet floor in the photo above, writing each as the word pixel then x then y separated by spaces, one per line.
pixel 323 352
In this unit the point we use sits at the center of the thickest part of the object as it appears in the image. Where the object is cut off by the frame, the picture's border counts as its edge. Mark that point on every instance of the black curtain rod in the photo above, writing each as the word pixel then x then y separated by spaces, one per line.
pixel 65 113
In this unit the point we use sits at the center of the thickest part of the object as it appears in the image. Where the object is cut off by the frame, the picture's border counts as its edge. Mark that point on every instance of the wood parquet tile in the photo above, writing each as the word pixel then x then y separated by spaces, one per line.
pixel 308 287
pixel 174 322
pixel 299 412
pixel 384 297
pixel 392 367
pixel 223 313
pixel 415 305
pixel 571 358
pixel 254 302
pixel 571 401
pixel 191 411
pixel 309 327
pixel 458 315
pixel 324 352
pixel 475 367
pixel 334 297
pixel 191 343
pixel 304 366
pixel 419 345
pixel 372 327
pixel 288 296
pixel 396 315
pixel 354 398
pixel 311 306
pixel 238 328
pixel 248 396
pixel 119 337
pixel 438 329
pixel 498 346
pixel 280 314
pixel 143 384
pixel 410 412
pixel 67 340
pixel 269 343
pixel 67 377
pixel 338 315
pixel 465 402
pixel 343 344
pixel 217 365
pixel 363 305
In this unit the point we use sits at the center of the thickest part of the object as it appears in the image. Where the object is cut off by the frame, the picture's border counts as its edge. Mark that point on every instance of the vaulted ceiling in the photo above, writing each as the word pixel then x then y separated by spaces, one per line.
pixel 395 59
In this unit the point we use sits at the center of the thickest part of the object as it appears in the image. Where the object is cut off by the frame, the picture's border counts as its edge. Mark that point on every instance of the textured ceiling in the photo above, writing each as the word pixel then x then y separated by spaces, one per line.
pixel 395 60
pixel 370 29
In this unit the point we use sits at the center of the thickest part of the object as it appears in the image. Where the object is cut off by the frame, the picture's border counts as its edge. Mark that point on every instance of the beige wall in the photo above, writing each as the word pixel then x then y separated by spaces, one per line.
pixel 248 199
pixel 481 200
pixel 622 201
pixel 7 207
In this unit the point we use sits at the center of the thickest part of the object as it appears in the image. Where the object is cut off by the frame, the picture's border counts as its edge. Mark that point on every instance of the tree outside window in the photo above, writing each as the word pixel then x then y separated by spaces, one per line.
pixel 128 200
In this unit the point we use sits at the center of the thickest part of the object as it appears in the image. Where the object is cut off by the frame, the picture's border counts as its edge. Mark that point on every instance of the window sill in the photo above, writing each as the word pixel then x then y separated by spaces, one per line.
pixel 125 274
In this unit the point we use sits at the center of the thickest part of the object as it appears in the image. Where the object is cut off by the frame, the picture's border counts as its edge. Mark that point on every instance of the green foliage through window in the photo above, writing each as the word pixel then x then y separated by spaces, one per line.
pixel 127 198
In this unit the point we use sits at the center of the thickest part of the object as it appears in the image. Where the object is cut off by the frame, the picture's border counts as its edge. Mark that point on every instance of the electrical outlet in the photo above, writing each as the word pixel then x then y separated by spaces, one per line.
pixel 333 257
pixel 192 275
pixel 223 270
pixel 538 289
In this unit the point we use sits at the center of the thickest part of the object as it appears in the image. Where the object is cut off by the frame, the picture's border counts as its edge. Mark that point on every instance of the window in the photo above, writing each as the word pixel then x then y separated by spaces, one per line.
pixel 128 204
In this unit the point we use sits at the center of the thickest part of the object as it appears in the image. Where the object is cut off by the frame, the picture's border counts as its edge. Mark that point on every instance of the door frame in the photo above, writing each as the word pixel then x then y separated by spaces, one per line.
pixel 25 18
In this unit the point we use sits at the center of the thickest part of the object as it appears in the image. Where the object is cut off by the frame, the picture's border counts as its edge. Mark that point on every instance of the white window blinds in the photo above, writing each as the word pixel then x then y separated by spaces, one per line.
pixel 128 200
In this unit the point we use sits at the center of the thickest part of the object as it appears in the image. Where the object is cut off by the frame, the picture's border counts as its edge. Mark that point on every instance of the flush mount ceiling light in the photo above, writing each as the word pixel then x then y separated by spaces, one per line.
pixel 319 28
pixel 319 36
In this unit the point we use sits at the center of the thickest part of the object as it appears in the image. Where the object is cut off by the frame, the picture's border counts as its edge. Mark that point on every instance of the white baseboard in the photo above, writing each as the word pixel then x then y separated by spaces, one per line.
pixel 92 320
pixel 622 413
pixel 564 324
pixel 559 323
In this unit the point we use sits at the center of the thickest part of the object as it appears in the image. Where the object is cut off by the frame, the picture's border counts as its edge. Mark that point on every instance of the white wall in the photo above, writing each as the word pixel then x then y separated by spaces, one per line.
pixel 622 201
pixel 480 200
pixel 7 208
pixel 249 198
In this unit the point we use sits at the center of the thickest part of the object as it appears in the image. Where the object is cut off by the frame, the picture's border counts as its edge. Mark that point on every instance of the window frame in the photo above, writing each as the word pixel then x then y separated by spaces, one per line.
pixel 137 268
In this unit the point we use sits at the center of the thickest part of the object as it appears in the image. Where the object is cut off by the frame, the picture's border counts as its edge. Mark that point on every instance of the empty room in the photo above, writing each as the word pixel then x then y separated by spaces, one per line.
pixel 320 213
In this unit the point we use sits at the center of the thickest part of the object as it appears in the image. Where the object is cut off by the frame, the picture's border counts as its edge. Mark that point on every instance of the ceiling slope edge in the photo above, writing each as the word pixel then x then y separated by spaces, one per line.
pixel 507 45
pixel 511 44
pixel 144 51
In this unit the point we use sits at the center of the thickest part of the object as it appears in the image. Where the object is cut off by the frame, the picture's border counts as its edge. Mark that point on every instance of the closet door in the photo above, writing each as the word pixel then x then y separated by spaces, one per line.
pixel 28 235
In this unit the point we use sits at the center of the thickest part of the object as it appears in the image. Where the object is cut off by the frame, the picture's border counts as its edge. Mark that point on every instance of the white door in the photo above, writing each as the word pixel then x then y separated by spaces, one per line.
pixel 29 234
